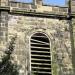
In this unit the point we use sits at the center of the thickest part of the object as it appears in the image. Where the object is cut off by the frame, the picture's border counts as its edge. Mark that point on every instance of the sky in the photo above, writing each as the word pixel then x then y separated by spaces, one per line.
pixel 50 2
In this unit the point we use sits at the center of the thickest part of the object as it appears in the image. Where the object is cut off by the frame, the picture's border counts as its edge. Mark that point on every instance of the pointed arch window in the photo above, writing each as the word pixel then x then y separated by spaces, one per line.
pixel 40 54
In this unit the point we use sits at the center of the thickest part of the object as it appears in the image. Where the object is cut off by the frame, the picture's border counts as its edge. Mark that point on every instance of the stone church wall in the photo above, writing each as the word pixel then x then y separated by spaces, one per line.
pixel 16 19
pixel 58 32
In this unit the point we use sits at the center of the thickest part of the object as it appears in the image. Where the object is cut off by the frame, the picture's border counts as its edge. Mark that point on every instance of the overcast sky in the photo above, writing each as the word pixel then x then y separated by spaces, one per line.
pixel 51 2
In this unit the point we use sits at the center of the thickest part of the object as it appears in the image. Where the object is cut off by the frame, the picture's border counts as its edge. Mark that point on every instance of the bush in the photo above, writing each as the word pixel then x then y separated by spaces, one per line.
pixel 6 66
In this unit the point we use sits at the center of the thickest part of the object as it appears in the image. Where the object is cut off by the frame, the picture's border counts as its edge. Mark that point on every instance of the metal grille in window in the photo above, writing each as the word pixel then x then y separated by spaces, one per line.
pixel 40 54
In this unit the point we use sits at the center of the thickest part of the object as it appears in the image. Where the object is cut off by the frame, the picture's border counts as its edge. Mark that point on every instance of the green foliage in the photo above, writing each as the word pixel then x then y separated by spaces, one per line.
pixel 55 72
pixel 54 61
pixel 6 66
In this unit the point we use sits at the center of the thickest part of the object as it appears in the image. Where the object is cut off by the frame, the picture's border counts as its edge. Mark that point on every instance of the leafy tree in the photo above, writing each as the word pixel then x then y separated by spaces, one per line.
pixel 6 66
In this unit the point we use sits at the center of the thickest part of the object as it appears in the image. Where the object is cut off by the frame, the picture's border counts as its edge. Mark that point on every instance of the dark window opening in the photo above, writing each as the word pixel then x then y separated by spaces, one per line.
pixel 40 54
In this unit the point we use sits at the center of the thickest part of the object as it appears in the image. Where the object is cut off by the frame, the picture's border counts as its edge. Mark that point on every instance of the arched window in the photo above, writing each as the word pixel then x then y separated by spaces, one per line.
pixel 40 54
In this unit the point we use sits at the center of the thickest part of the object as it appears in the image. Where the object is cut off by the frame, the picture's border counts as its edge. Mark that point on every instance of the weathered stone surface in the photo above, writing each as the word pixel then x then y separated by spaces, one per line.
pixel 57 30
pixel 4 3
pixel 25 26
pixel 74 30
